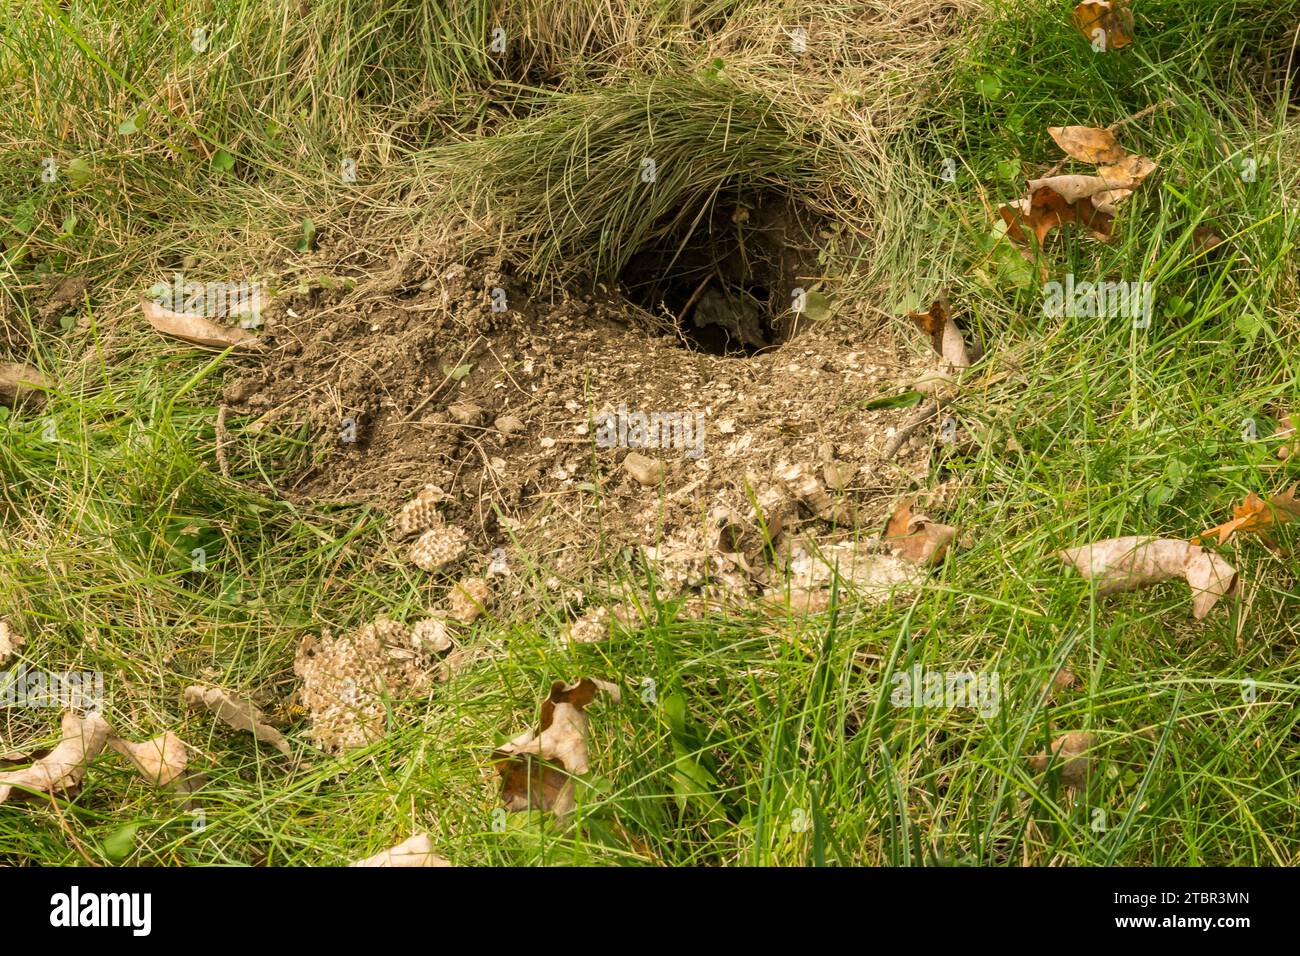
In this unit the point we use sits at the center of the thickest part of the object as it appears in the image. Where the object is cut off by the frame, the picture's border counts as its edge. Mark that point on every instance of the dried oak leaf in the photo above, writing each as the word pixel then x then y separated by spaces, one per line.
pixel 916 537
pixel 63 768
pixel 196 328
pixel 160 760
pixel 1112 17
pixel 237 713
pixel 1124 564
pixel 945 337
pixel 1072 753
pixel 1045 209
pixel 1257 515
pixel 417 851
pixel 1123 177
pixel 537 768
pixel 1088 144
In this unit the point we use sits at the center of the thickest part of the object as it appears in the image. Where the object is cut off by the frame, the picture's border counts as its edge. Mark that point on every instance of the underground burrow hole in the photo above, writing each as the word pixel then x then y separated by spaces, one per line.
pixel 732 284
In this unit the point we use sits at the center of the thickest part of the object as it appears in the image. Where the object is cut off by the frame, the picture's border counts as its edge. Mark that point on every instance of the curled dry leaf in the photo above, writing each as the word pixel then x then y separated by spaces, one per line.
pixel 945 337
pixel 10 642
pixel 1112 18
pixel 63 768
pixel 1071 752
pixel 19 382
pixel 196 328
pixel 1088 144
pixel 237 713
pixel 1074 188
pixel 417 851
pixel 1123 564
pixel 160 760
pixel 537 768
pixel 916 537
pixel 1257 515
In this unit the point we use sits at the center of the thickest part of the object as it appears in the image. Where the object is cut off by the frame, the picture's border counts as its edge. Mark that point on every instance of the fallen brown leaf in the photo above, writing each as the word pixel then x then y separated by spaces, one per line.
pixel 1112 17
pixel 1045 209
pixel 916 537
pixel 1088 144
pixel 1123 564
pixel 237 713
pixel 1256 515
pixel 65 766
pixel 537 768
pixel 945 337
pixel 417 851
pixel 160 760
pixel 196 328
pixel 1072 753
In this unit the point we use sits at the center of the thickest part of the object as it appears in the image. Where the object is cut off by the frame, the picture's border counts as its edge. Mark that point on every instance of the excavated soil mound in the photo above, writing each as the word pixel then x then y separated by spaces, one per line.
pixel 524 405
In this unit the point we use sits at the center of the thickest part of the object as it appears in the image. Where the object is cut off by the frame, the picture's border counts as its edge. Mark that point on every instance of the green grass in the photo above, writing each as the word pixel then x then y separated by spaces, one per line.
pixel 756 725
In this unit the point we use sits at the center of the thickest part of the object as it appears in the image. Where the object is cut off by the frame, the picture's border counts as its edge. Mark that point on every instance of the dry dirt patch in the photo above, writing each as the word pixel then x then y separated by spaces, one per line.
pixel 502 411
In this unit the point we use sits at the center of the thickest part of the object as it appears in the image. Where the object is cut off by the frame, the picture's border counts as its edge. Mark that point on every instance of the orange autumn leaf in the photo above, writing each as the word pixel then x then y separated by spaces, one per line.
pixel 1108 24
pixel 1256 515
pixel 915 537
pixel 1045 209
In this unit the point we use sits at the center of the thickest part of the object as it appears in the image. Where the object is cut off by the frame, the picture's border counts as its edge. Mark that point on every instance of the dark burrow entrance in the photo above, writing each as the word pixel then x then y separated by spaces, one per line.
pixel 730 286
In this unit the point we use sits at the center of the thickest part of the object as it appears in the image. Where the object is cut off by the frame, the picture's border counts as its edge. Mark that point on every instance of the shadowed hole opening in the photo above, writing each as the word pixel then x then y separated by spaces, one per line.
pixel 729 285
